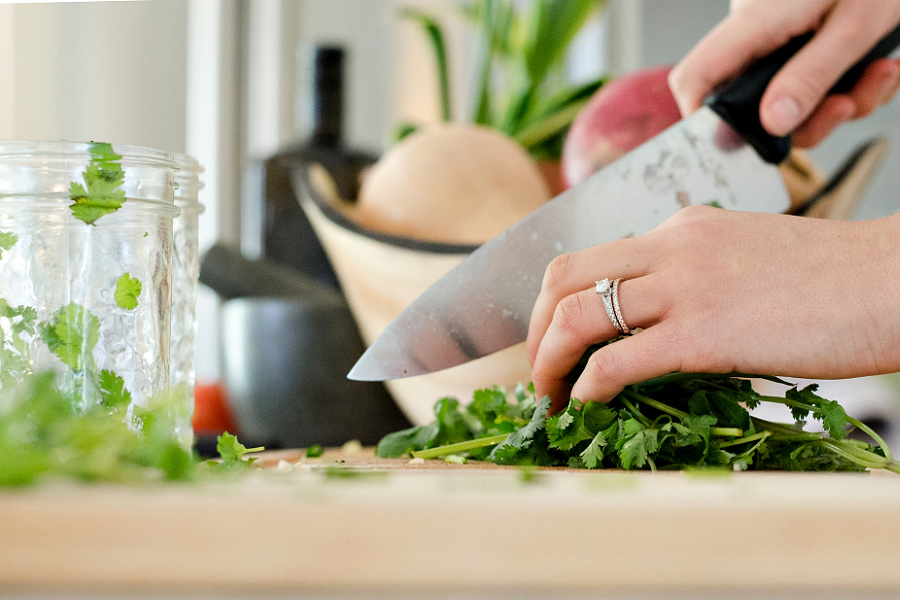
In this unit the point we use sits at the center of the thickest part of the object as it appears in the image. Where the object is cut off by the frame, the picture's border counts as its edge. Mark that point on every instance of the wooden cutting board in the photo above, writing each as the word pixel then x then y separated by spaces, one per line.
pixel 350 523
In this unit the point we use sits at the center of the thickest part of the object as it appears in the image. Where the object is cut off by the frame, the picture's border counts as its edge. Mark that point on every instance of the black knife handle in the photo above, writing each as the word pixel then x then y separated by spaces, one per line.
pixel 737 102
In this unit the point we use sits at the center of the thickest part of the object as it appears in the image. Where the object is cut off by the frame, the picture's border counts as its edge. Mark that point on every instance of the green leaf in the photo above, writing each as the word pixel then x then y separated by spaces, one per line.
pixel 7 241
pixel 554 116
pixel 834 419
pixel 699 425
pixel 71 333
pixel 566 429
pixel 727 410
pixel 551 27
pixel 113 393
pixel 407 441
pixel 637 444
pixel 315 451
pixel 593 454
pixel 453 424
pixel 232 451
pixel 127 291
pixel 101 193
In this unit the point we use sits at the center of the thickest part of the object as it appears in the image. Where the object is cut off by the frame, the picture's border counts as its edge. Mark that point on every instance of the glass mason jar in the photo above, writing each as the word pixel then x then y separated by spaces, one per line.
pixel 185 274
pixel 85 271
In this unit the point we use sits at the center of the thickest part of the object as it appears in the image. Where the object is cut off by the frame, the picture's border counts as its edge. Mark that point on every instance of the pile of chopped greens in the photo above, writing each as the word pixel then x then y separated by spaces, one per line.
pixel 676 421
pixel 46 433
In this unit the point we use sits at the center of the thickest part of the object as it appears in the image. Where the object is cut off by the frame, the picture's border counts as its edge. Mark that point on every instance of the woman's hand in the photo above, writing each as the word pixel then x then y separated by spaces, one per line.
pixel 719 291
pixel 795 101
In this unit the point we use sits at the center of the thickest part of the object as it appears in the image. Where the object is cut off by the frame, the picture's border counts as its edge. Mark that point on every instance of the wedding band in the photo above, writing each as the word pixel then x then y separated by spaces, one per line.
pixel 605 289
pixel 615 302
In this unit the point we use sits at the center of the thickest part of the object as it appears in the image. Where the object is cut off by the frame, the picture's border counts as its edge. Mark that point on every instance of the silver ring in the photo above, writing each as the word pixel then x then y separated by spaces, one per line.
pixel 605 289
pixel 615 302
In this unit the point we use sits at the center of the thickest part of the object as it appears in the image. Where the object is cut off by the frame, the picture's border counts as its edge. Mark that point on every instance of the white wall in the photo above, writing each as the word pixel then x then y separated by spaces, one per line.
pixel 112 71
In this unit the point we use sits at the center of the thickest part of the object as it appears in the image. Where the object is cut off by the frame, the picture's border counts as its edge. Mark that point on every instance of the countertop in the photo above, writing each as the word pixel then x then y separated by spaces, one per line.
pixel 351 525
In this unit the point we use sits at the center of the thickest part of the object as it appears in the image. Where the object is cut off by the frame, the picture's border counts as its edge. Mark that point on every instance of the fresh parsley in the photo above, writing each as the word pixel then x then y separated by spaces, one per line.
pixel 101 193
pixel 7 241
pixel 127 291
pixel 677 421
pixel 232 453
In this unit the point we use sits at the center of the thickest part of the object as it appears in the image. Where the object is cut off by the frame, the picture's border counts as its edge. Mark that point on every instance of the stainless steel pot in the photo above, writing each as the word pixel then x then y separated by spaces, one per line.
pixel 285 362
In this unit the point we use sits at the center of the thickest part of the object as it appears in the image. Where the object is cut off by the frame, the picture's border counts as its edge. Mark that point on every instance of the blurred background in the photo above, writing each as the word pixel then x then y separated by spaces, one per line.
pixel 231 83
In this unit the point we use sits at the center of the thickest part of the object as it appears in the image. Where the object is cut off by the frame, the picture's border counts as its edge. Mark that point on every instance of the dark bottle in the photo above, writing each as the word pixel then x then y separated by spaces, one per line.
pixel 288 237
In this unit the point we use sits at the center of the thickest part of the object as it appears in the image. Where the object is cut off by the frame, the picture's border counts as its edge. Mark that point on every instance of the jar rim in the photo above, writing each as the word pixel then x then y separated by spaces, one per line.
pixel 14 150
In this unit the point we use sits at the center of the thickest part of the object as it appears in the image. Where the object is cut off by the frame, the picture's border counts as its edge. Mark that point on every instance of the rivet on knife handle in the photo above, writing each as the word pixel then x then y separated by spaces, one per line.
pixel 737 102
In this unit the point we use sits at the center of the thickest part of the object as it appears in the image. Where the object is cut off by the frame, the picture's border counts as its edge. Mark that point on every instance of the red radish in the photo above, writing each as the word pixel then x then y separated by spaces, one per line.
pixel 622 115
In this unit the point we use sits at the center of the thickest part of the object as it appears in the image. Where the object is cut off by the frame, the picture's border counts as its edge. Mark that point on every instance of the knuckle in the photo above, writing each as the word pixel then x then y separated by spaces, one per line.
pixel 605 368
pixel 558 271
pixel 569 318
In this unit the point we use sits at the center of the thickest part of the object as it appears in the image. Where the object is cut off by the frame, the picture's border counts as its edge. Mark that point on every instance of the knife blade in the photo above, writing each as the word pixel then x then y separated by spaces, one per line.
pixel 721 155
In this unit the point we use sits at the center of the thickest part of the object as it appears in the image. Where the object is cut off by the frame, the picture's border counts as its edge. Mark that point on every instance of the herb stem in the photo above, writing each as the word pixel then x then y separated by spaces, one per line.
pixel 726 431
pixel 460 446
pixel 665 408
pixel 872 434
pixel 744 440
pixel 635 412
pixel 866 460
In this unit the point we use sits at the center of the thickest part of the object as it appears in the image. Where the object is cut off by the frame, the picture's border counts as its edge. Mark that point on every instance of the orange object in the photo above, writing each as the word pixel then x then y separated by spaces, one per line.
pixel 212 414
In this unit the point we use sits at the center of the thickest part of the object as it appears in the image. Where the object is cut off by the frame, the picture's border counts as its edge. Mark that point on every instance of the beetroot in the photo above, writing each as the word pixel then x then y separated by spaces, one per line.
pixel 622 115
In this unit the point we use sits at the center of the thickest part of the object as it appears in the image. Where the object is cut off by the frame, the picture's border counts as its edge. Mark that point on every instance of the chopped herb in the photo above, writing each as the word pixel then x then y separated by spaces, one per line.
pixel 315 451
pixel 113 393
pixel 101 193
pixel 72 333
pixel 232 452
pixel 7 241
pixel 127 291
pixel 677 421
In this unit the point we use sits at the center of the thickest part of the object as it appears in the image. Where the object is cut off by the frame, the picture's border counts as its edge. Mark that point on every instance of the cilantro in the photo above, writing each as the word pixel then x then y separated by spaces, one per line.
pixel 593 454
pixel 7 241
pixel 17 326
pixel 101 193
pixel 42 434
pixel 72 333
pixel 232 451
pixel 127 291
pixel 113 393
pixel 637 444
pixel 315 451
pixel 678 421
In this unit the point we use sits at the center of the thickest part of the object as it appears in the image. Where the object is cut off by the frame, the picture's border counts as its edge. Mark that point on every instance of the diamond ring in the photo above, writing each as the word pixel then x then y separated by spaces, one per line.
pixel 609 292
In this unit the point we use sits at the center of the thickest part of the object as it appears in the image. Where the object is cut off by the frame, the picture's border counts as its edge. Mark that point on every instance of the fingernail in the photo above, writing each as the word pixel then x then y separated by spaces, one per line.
pixel 784 116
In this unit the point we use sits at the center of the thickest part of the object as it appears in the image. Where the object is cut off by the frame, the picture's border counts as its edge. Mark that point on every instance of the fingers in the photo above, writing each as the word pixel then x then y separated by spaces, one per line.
pixel 877 86
pixel 571 273
pixel 832 112
pixel 628 361
pixel 800 86
pixel 579 321
pixel 744 36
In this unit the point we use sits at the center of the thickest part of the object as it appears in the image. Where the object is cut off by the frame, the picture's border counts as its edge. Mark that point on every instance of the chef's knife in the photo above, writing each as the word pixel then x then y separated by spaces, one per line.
pixel 719 155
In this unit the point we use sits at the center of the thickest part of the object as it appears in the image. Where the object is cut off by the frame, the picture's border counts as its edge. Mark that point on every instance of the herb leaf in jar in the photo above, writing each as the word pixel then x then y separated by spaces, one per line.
pixel 128 289
pixel 101 193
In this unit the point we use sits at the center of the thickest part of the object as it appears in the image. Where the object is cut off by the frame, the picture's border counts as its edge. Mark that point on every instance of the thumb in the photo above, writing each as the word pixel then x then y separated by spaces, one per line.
pixel 801 86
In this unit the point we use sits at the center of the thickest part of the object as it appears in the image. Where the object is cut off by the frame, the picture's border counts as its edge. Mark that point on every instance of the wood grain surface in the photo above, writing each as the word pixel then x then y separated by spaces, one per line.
pixel 355 524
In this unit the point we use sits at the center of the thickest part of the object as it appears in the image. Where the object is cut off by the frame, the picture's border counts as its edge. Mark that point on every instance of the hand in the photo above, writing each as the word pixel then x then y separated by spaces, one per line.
pixel 795 101
pixel 719 291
